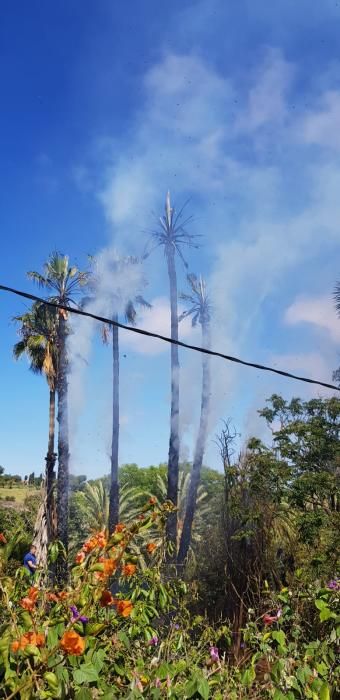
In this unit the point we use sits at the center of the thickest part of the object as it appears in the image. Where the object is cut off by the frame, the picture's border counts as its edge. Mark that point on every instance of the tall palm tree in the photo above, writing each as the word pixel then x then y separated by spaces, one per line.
pixel 38 332
pixel 171 235
pixel 121 303
pixel 65 282
pixel 202 505
pixel 336 296
pixel 200 311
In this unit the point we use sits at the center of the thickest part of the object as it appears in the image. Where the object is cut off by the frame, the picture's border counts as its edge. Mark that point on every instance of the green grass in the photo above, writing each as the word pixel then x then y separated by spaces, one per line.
pixel 19 493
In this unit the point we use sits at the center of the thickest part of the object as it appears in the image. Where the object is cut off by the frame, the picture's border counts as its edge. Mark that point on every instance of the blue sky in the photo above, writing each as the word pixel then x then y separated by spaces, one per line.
pixel 234 105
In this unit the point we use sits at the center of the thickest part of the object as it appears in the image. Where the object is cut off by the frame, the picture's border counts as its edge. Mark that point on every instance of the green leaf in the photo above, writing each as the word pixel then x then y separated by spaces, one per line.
pixel 52 637
pixel 122 636
pixel 320 604
pixel 325 692
pixel 278 695
pixel 203 688
pixel 26 620
pixel 163 671
pixel 325 614
pixel 94 628
pixel 191 688
pixel 248 676
pixel 84 694
pixel 279 637
pixel 85 674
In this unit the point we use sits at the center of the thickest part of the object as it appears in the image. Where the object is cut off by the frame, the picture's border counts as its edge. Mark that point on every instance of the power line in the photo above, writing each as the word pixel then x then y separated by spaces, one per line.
pixel 150 334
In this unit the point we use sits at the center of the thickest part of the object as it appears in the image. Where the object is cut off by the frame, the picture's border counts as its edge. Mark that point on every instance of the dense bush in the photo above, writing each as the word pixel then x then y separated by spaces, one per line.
pixel 117 632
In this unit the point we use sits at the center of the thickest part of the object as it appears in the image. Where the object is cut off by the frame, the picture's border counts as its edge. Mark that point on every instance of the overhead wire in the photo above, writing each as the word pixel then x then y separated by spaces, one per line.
pixel 166 339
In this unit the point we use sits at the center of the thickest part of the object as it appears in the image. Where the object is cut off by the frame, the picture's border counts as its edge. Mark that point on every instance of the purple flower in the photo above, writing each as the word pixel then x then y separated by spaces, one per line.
pixel 279 613
pixel 214 655
pixel 76 617
pixel 153 641
pixel 333 585
pixel 157 683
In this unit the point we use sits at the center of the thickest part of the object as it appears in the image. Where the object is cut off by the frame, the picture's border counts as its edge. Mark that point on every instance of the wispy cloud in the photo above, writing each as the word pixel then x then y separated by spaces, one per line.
pixel 318 312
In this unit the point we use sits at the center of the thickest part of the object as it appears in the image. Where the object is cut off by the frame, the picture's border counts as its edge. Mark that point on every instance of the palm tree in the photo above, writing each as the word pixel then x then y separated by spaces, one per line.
pixel 200 311
pixel 202 506
pixel 65 283
pixel 121 301
pixel 38 333
pixel 171 235
pixel 336 295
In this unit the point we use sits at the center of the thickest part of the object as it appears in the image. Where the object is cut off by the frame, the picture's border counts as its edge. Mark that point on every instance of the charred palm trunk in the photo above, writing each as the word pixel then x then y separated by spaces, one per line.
pixel 199 451
pixel 63 450
pixel 50 474
pixel 173 460
pixel 114 487
pixel 45 524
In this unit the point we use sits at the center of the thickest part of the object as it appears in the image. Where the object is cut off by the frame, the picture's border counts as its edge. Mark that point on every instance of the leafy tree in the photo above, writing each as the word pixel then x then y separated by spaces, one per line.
pixel 38 341
pixel 200 312
pixel 171 235
pixel 307 438
pixel 65 283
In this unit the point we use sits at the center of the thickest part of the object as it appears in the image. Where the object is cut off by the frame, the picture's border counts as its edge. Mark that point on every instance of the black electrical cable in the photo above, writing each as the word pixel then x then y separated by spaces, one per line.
pixel 150 334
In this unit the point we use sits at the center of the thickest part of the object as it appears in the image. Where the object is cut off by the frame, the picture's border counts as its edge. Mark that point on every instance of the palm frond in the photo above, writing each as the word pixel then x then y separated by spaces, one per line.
pixel 39 279
pixel 337 298
pixel 19 349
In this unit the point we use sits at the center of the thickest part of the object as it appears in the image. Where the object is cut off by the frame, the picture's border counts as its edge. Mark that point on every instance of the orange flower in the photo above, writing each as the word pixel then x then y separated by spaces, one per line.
pixel 90 544
pixel 102 539
pixel 72 643
pixel 53 597
pixel 57 597
pixel 37 639
pixel 109 565
pixel 129 569
pixel 27 603
pixel 120 527
pixel 152 501
pixel 80 557
pixel 3 538
pixel 106 599
pixel 151 546
pixel 33 593
pixel 124 607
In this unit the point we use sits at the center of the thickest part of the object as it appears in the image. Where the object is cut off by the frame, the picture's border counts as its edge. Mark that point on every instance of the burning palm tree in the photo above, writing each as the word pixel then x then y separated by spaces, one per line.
pixel 121 269
pixel 171 235
pixel 38 333
pixel 65 283
pixel 200 311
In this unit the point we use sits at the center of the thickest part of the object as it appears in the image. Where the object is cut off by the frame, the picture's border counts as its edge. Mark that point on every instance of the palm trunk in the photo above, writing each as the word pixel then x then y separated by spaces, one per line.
pixel 199 451
pixel 173 460
pixel 114 487
pixel 63 451
pixel 50 473
pixel 45 524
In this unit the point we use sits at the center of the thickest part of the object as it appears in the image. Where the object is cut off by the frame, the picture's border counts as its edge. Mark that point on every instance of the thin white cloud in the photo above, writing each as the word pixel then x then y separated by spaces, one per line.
pixel 321 126
pixel 316 311
pixel 267 99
